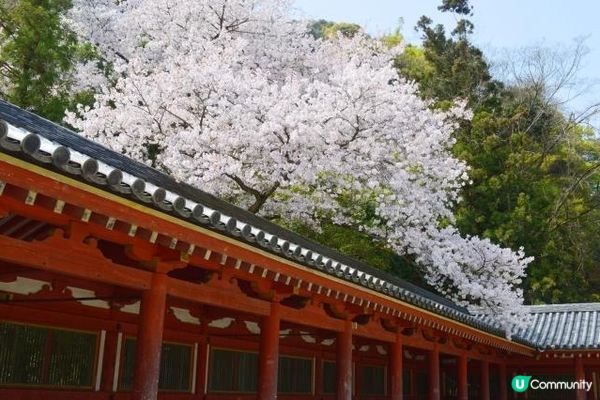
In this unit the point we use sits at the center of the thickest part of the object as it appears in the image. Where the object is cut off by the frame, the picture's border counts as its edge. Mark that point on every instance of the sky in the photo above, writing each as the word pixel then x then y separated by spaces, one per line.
pixel 499 25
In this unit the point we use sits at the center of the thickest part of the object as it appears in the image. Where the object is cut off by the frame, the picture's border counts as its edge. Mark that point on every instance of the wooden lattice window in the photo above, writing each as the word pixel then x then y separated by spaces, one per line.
pixel 232 371
pixel 407 383
pixel 295 375
pixel 421 383
pixel 175 366
pixel 42 356
pixel 372 380
pixel 329 377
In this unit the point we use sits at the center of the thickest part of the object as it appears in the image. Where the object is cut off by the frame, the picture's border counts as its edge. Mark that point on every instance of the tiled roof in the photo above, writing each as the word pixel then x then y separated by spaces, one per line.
pixel 564 326
pixel 35 139
pixel 30 137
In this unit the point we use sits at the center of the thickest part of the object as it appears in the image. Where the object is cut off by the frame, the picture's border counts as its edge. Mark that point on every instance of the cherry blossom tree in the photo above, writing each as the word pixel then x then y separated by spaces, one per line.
pixel 236 98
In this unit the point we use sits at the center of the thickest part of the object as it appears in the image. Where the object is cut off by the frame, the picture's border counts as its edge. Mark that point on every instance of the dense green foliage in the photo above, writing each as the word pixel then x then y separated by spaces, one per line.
pixel 535 171
pixel 361 247
pixel 37 55
pixel 327 29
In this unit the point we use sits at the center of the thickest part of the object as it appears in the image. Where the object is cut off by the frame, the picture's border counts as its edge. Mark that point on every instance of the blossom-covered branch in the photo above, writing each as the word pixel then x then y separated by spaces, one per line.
pixel 236 98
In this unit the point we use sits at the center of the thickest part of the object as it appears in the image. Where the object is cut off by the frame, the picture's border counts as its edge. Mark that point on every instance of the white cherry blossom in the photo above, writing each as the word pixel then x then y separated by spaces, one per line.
pixel 241 102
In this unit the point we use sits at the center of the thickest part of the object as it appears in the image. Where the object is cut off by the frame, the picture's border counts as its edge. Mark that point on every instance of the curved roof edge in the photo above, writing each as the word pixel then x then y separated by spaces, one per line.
pixel 34 138
pixel 569 327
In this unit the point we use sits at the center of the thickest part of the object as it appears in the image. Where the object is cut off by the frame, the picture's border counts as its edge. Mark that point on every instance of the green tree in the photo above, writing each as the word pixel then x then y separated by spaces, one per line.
pixel 534 169
pixel 327 29
pixel 37 54
pixel 455 68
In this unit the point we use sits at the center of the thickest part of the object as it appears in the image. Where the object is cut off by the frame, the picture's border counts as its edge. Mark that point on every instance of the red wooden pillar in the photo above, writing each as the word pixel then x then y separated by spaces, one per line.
pixel 463 383
pixel 269 354
pixel 503 378
pixel 149 340
pixel 319 373
pixel 579 375
pixel 201 367
pixel 434 373
pixel 108 364
pixel 396 367
pixel 344 362
pixel 485 380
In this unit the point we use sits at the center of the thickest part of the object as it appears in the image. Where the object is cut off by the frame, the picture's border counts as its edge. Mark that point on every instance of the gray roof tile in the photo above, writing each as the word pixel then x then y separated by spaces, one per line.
pixel 564 326
pixel 556 326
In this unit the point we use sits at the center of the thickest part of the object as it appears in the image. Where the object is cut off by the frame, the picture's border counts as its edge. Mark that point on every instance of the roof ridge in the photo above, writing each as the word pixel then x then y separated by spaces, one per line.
pixel 217 214
pixel 564 307
pixel 71 139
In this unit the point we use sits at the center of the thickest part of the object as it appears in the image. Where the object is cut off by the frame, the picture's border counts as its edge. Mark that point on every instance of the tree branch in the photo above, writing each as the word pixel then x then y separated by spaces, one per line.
pixel 260 197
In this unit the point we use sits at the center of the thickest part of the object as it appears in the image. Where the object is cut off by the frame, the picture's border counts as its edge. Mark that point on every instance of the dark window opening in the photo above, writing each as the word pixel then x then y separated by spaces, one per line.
pixel 406 383
pixel 421 384
pixel 41 356
pixel 372 381
pixel 295 375
pixel 329 377
pixel 232 371
pixel 175 366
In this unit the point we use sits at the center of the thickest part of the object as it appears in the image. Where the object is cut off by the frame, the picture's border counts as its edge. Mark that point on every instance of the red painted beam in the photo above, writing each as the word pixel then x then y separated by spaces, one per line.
pixel 19 313
pixel 82 195
pixel 312 316
pixel 373 330
pixel 50 394
pixel 46 257
pixel 49 258
pixel 205 294
pixel 64 260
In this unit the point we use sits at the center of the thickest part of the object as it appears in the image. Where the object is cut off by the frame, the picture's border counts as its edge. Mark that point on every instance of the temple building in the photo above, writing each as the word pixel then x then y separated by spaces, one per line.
pixel 118 282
